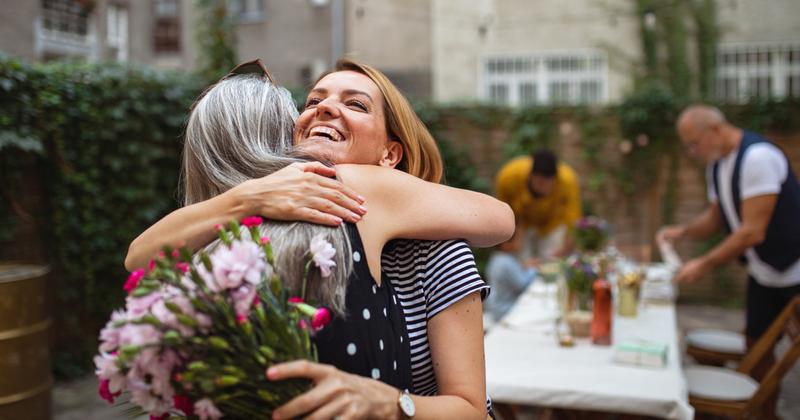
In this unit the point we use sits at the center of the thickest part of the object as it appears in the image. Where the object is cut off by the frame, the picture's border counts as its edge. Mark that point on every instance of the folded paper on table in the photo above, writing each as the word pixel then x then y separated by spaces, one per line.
pixel 641 353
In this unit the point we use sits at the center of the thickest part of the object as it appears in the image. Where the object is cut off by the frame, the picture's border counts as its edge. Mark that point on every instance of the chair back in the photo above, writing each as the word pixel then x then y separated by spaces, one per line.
pixel 788 324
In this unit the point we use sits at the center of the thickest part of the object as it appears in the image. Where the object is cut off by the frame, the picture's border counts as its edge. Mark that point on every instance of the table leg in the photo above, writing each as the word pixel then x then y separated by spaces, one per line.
pixel 505 411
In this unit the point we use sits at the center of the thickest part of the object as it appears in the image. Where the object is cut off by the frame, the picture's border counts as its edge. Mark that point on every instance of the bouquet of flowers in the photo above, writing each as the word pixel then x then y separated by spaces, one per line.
pixel 199 331
pixel 580 273
pixel 591 233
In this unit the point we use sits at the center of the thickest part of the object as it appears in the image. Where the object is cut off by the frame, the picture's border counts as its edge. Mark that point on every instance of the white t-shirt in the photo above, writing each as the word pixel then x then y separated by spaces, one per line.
pixel 763 170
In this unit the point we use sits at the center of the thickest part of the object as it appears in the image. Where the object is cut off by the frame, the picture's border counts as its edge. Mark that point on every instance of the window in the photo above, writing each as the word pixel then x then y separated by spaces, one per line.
pixel 566 78
pixel 167 31
pixel 249 10
pixel 498 93
pixel 758 71
pixel 117 31
pixel 65 16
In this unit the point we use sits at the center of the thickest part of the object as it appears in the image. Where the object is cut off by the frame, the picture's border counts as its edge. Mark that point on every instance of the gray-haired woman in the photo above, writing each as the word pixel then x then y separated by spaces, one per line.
pixel 347 104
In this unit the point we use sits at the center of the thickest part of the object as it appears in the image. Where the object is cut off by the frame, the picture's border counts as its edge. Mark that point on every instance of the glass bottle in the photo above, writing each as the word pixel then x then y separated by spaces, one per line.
pixel 601 312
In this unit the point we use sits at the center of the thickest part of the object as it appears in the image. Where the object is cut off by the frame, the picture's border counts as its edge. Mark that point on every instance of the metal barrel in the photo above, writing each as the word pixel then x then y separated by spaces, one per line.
pixel 26 381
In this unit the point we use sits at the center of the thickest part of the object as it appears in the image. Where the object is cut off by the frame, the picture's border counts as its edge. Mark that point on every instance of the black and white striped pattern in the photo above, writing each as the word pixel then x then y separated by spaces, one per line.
pixel 428 277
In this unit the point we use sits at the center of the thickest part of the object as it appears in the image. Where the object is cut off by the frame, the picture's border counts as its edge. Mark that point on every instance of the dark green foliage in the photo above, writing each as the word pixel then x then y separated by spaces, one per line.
pixel 216 37
pixel 107 143
pixel 651 112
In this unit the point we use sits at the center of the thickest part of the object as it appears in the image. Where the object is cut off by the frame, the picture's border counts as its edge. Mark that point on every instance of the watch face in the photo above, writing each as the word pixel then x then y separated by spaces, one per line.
pixel 407 405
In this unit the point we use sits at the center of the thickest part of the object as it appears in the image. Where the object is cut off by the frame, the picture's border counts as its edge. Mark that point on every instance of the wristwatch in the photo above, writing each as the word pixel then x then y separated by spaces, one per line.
pixel 406 404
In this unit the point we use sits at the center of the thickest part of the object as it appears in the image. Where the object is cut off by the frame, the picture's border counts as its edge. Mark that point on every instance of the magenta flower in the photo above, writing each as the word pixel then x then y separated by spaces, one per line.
pixel 322 253
pixel 133 280
pixel 183 403
pixel 295 299
pixel 251 221
pixel 321 318
pixel 105 393
pixel 205 409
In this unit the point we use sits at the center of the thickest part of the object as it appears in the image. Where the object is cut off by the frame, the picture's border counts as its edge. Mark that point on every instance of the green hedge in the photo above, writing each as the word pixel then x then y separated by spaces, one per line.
pixel 107 141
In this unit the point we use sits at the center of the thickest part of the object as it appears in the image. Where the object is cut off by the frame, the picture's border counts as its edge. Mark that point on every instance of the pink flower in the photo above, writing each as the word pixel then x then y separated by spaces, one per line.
pixel 108 371
pixel 109 335
pixel 251 221
pixel 150 403
pixel 264 240
pixel 302 324
pixel 243 299
pixel 295 299
pixel 183 403
pixel 321 318
pixel 175 253
pixel 243 261
pixel 322 253
pixel 133 280
pixel 105 393
pixel 182 267
pixel 139 335
pixel 139 306
pixel 205 409
pixel 151 265
pixel 218 227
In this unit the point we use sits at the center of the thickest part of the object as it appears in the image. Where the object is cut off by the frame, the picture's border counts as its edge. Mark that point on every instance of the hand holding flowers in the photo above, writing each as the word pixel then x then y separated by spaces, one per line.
pixel 198 332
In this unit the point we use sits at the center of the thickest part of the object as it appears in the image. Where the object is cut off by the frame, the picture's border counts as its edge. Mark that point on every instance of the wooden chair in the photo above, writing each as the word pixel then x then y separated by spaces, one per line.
pixel 715 347
pixel 728 392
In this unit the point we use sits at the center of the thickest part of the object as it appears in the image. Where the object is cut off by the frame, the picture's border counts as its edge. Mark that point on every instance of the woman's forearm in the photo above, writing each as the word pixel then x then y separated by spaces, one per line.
pixel 384 399
pixel 411 208
pixel 191 226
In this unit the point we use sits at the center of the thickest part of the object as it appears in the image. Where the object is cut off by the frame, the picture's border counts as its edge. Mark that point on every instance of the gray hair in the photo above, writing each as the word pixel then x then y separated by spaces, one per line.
pixel 240 129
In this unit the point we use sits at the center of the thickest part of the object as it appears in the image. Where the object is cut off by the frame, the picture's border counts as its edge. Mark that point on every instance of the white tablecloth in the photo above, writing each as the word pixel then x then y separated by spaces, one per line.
pixel 525 365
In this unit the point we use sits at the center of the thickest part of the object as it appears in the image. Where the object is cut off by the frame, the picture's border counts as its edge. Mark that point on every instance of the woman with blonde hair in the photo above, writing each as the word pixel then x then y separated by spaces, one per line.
pixel 352 117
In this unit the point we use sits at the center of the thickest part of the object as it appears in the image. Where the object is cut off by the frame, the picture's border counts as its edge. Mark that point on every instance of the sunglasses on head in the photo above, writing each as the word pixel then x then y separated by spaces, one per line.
pixel 251 67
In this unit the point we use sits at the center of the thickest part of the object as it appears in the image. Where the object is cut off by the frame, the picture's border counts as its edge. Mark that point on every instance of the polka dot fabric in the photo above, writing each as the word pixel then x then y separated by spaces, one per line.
pixel 371 339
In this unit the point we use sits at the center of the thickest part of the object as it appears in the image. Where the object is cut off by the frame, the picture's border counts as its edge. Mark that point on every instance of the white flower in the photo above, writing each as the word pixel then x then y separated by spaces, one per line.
pixel 322 253
pixel 206 409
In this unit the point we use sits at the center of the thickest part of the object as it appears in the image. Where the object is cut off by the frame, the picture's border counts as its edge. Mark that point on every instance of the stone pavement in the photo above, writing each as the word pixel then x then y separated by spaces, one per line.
pixel 78 400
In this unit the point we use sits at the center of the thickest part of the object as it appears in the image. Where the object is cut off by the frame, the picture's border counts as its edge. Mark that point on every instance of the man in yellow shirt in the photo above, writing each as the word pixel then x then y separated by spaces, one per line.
pixel 545 197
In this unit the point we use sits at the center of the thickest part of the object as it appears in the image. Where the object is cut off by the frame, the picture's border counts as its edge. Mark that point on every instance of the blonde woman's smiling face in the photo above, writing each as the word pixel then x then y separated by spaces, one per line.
pixel 343 120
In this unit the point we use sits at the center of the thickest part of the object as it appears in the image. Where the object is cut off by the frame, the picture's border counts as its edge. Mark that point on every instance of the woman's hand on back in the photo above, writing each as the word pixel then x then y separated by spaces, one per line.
pixel 304 192
pixel 336 394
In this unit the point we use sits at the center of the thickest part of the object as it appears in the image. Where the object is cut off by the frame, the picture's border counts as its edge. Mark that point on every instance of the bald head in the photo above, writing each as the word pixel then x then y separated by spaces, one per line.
pixel 705 133
pixel 700 117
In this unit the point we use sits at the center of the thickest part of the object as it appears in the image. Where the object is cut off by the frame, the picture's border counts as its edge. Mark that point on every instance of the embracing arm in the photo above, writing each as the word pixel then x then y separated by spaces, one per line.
pixel 300 191
pixel 192 226
pixel 460 375
pixel 411 208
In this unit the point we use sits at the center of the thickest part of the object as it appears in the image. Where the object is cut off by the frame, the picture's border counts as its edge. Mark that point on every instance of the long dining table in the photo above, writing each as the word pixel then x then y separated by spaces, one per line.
pixel 526 366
